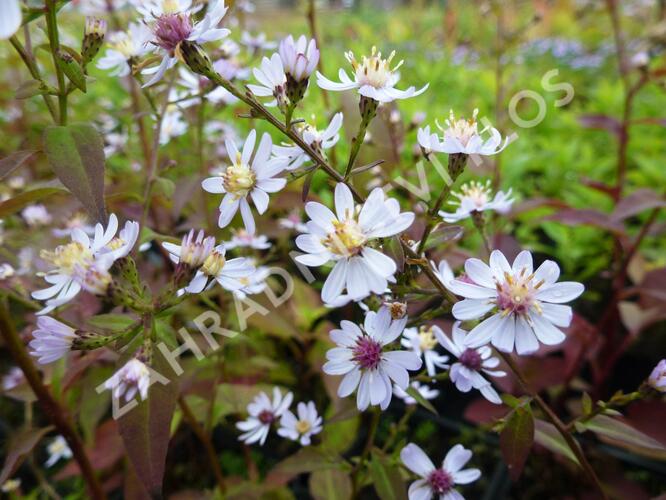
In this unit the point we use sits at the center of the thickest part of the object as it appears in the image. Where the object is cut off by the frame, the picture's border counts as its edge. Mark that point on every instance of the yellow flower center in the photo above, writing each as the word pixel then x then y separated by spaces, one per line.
pixel 461 128
pixel 477 193
pixel 213 264
pixel 116 243
pixel 346 239
pixel 373 70
pixel 239 178
pixel 427 339
pixel 122 42
pixel 303 426
pixel 65 257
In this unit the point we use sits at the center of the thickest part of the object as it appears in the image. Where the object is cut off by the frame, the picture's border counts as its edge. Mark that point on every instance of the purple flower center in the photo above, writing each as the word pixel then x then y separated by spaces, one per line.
pixel 440 481
pixel 471 359
pixel 172 29
pixel 367 353
pixel 267 417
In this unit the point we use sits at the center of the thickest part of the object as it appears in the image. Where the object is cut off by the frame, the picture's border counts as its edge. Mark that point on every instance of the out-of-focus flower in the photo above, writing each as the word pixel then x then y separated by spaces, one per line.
pixel 362 357
pixel 51 340
pixel 124 48
pixel 132 378
pixel 262 414
pixel 11 484
pixel 303 427
pixel 12 378
pixel 272 80
pixel 242 239
pixel 58 449
pixel 196 85
pixel 293 221
pixel 527 304
pixel 36 215
pixel 77 220
pixel 150 9
pixel 6 271
pixel 462 136
pixel 477 197
pixel 344 237
pixel 425 391
pixel 373 77
pixel 10 18
pixel 640 59
pixel 173 125
pixel 247 176
pixel 467 372
pixel 299 58
pixel 318 140
pixel 423 342
pixel 657 378
pixel 257 43
pixel 438 482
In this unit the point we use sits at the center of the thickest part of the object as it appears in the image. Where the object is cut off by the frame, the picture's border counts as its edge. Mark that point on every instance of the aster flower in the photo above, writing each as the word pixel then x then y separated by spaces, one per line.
pixel 253 283
pixel 293 222
pixel 273 81
pixel 242 239
pixel 319 140
pixel 173 125
pixel 438 482
pixel 477 197
pixel 301 428
pixel 344 237
pixel 423 342
pixel 462 136
pixel 6 271
pixel 373 77
pixel 246 176
pixel 10 18
pixel 58 449
pixel 299 58
pixel 12 379
pixel 362 357
pixel 194 249
pixel 36 215
pixel 263 413
pixel 526 304
pixel 124 48
pixel 171 28
pixel 657 378
pixel 150 9
pixel 77 220
pixel 257 43
pixel 51 340
pixel 195 85
pixel 424 390
pixel 472 363
pixel 132 378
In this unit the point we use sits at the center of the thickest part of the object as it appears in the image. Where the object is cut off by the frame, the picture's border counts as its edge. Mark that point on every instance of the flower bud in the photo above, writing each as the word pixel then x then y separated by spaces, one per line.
pixel 72 69
pixel 657 378
pixel 93 37
pixel 195 58
pixel 397 309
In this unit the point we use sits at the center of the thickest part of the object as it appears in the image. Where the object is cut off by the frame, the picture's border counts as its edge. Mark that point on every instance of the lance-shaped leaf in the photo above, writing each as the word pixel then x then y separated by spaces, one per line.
pixel 547 435
pixel 13 205
pixel 623 435
pixel 76 155
pixel 386 478
pixel 19 446
pixel 516 439
pixel 14 161
pixel 330 484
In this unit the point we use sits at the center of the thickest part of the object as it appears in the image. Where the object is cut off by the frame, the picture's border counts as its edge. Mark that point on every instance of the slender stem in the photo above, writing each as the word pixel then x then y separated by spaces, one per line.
pixel 52 409
pixel 54 42
pixel 203 436
pixel 559 425
pixel 374 424
pixel 480 224
pixel 356 146
pixel 314 33
pixel 433 218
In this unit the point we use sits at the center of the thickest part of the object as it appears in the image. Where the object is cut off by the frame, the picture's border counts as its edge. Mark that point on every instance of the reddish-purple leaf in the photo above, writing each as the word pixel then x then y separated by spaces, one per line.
pixel 13 205
pixel 516 439
pixel 587 217
pixel 601 122
pixel 19 446
pixel 14 161
pixel 637 202
pixel 619 433
pixel 330 484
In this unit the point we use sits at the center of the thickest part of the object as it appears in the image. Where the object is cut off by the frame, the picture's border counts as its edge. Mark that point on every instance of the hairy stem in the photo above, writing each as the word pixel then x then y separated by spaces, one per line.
pixel 54 43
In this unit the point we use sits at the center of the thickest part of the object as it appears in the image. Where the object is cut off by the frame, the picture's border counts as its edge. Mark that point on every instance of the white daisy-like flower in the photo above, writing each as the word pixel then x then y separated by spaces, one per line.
pixel 83 263
pixel 77 220
pixel 527 304
pixel 6 271
pixel 472 363
pixel 319 140
pixel 272 81
pixel 657 378
pixel 98 7
pixel 254 283
pixel 257 43
pixel 132 378
pixel 462 136
pixel 10 18
pixel 173 125
pixel 301 428
pixel 12 379
pixel 125 47
pixel 293 222
pixel 299 58
pixel 373 77
pixel 195 85
pixel 248 175
pixel 362 357
pixel 242 239
pixel 51 340
pixel 477 197
pixel 344 237
pixel 150 9
pixel 423 342
pixel 173 27
pixel 424 390
pixel 58 449
pixel 194 249
pixel 438 482
pixel 262 414
pixel 36 215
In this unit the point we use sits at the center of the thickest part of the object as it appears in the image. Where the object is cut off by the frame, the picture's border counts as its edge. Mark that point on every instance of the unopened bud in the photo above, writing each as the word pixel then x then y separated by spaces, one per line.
pixel 397 309
pixel 88 341
pixel 457 162
pixel 93 38
pixel 72 69
pixel 195 57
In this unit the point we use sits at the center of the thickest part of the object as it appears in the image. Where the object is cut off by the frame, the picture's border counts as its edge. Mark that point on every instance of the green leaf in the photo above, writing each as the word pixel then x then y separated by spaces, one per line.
pixel 516 439
pixel 309 459
pixel 586 401
pixel 420 399
pixel 19 446
pixel 76 155
pixel 330 484
pixel 623 435
pixel 72 69
pixel 386 477
pixel 145 429
pixel 547 435
pixel 16 203
pixel 14 161
pixel 339 435
pixel 112 322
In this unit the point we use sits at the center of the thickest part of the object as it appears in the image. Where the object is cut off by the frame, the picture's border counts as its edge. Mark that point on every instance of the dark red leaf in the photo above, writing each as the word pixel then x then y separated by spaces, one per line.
pixel 516 439
pixel 637 202
pixel 14 161
pixel 601 122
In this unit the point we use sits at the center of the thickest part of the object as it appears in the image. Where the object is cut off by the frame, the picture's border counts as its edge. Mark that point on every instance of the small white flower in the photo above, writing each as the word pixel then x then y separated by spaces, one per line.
pixel 11 484
pixel 36 215
pixel 12 379
pixel 657 378
pixel 58 449
pixel 6 271
pixel 257 43
pixel 254 283
pixel 299 58
pixel 242 239
pixel 172 27
pixel 10 18
pixel 301 428
pixel 373 77
pixel 246 176
pixel 149 9
pixel 293 221
pixel 132 378
pixel 467 372
pixel 272 79
pixel 51 340
pixel 124 47
pixel 365 363
pixel 78 220
pixel 262 414
pixel 99 7
pixel 318 140
pixel 423 342
pixel 438 482
pixel 194 249
pixel 425 391
pixel 196 85
pixel 527 304
pixel 173 125
pixel 462 136
pixel 344 237
pixel 477 197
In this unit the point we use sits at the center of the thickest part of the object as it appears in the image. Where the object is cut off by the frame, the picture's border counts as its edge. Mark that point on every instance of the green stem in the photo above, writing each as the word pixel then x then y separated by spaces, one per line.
pixel 54 43
pixel 356 146
pixel 374 424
